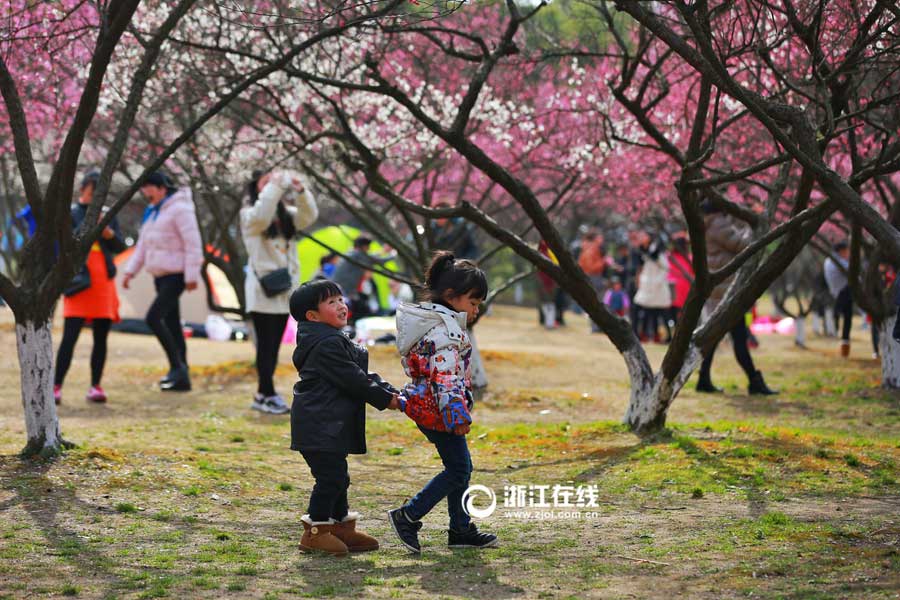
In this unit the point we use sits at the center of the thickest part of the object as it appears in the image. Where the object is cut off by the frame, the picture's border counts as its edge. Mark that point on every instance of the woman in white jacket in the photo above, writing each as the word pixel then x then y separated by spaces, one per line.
pixel 654 295
pixel 280 203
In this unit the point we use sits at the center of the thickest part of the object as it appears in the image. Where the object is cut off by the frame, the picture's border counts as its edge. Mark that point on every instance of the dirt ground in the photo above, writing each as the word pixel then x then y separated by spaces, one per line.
pixel 195 495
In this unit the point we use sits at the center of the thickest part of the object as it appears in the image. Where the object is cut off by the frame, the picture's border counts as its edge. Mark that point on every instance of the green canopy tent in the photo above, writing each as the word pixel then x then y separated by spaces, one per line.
pixel 339 237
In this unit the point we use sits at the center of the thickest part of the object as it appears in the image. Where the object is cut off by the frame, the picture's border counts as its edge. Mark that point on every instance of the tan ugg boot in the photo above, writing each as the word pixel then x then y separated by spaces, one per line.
pixel 318 536
pixel 845 349
pixel 356 541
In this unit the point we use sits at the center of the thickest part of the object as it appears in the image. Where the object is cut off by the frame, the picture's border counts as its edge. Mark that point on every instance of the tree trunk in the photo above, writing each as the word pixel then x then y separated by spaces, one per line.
pixel 479 375
pixel 651 396
pixel 35 349
pixel 889 350
pixel 800 331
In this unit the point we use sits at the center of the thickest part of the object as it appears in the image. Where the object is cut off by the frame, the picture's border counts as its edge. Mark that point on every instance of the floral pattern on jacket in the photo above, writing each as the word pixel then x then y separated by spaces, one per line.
pixel 439 366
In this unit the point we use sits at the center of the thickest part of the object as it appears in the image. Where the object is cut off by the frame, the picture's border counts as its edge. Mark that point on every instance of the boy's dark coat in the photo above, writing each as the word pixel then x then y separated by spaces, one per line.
pixel 329 411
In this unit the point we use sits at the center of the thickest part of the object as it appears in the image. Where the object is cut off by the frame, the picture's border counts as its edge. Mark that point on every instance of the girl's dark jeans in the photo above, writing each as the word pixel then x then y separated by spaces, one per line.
pixel 451 483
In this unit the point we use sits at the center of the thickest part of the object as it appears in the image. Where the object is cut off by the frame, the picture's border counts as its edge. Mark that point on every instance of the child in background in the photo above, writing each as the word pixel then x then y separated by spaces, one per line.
pixel 547 289
pixel 328 417
pixel 327 265
pixel 616 299
pixel 436 352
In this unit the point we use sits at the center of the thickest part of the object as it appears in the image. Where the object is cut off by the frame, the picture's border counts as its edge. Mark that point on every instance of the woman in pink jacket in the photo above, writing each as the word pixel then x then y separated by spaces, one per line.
pixel 170 248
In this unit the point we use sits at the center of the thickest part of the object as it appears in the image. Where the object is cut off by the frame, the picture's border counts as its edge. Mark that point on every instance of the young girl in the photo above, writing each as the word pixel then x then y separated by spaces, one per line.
pixel 436 354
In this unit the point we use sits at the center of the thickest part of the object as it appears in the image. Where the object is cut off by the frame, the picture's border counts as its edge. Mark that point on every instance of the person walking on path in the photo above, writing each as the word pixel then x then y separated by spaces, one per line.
pixel 725 238
pixel 355 278
pixel 681 273
pixel 838 285
pixel 169 247
pixel 547 289
pixel 280 204
pixel 654 295
pixel 436 355
pixel 91 298
pixel 592 261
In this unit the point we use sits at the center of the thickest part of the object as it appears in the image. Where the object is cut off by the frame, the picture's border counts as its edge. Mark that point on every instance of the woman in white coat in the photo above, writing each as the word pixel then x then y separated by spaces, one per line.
pixel 280 204
pixel 654 294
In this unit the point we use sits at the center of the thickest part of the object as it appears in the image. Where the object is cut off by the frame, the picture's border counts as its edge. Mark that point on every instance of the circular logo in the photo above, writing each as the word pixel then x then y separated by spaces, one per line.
pixel 468 501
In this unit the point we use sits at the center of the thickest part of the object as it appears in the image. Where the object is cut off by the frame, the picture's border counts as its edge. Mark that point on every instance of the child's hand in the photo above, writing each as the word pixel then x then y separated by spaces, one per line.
pixel 394 403
pixel 461 429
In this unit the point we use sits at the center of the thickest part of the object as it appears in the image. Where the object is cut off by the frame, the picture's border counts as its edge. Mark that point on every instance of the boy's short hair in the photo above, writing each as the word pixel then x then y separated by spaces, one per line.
pixel 90 178
pixel 310 294
pixel 362 241
pixel 327 259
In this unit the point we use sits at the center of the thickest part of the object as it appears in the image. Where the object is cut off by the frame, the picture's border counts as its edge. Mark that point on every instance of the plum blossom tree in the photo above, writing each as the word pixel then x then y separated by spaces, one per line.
pixel 822 79
pixel 90 71
pixel 637 120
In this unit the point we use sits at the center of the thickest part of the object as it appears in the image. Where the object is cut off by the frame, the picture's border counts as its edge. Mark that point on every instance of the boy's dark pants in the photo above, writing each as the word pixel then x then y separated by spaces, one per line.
pixel 450 483
pixel 329 495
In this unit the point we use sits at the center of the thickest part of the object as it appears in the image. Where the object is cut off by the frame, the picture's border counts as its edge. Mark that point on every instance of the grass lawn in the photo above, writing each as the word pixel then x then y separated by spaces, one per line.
pixel 197 496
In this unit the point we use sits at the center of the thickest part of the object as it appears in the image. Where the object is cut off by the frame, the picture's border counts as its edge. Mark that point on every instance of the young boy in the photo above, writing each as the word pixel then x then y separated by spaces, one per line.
pixel 328 417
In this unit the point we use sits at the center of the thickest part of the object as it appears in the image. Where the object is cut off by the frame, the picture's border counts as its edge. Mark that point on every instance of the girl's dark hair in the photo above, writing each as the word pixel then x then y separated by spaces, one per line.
pixel 447 273
pixel 309 295
pixel 282 224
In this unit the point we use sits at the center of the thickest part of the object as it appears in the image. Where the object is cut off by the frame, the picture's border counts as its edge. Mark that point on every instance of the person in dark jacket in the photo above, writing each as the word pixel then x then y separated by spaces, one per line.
pixel 455 235
pixel 356 280
pixel 726 237
pixel 328 417
pixel 836 268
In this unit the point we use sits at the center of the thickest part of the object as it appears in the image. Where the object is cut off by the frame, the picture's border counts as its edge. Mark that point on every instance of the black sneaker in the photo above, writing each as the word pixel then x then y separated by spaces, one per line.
pixel 470 538
pixel 406 529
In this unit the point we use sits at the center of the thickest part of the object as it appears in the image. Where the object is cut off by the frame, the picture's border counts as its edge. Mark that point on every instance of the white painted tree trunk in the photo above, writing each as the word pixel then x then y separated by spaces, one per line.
pixel 651 396
pixel 643 405
pixel 479 375
pixel 889 350
pixel 800 332
pixel 35 349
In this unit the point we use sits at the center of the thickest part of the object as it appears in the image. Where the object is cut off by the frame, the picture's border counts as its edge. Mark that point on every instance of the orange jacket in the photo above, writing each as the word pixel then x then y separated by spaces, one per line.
pixel 591 260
